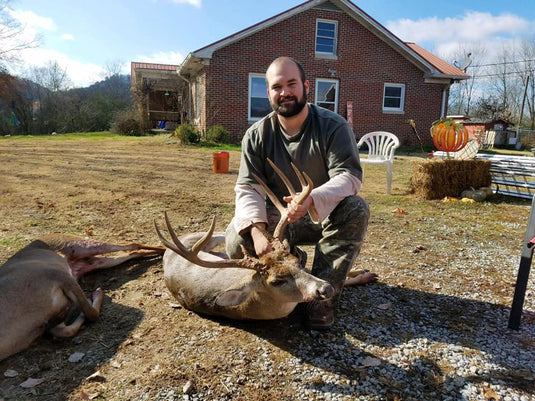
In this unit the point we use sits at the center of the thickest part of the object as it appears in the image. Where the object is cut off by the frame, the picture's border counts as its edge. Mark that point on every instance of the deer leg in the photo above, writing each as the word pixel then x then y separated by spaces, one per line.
pixel 77 248
pixel 79 267
pixel 360 277
pixel 64 330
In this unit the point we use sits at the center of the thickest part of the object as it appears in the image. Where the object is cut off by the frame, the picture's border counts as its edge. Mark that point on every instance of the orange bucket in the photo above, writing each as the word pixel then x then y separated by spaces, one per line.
pixel 221 160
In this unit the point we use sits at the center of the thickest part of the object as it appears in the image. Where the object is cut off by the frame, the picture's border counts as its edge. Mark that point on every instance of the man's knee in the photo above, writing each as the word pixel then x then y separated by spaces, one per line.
pixel 232 242
pixel 351 211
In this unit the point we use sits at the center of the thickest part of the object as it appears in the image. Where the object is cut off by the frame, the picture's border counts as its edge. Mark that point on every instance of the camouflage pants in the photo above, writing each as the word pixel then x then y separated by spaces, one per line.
pixel 338 238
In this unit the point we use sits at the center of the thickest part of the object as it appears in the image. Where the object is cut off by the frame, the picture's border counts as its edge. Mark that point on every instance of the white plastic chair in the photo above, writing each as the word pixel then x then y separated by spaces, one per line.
pixel 381 148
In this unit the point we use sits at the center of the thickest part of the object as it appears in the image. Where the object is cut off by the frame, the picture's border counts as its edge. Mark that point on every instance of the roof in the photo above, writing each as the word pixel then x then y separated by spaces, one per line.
pixel 134 65
pixel 432 66
pixel 441 65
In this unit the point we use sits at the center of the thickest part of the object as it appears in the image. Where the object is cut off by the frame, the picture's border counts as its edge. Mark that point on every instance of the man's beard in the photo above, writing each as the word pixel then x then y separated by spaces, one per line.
pixel 290 109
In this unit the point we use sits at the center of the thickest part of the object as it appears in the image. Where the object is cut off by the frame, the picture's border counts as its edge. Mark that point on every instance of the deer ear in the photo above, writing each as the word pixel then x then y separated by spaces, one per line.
pixel 234 297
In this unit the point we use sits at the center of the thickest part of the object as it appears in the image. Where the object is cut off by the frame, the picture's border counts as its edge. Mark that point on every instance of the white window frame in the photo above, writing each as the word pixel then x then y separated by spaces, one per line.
pixel 250 96
pixel 401 107
pixel 323 54
pixel 336 94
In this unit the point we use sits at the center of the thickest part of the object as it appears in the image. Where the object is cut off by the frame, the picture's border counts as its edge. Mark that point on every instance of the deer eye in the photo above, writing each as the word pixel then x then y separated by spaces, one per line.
pixel 277 282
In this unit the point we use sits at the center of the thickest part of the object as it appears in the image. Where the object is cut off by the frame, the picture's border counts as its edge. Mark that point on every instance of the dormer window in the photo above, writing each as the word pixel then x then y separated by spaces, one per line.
pixel 326 38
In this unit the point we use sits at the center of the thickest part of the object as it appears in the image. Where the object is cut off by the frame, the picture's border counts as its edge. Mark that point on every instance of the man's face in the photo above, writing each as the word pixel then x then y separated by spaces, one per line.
pixel 287 93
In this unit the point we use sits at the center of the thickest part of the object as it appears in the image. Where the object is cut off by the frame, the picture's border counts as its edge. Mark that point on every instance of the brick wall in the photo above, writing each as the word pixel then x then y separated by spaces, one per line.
pixel 363 65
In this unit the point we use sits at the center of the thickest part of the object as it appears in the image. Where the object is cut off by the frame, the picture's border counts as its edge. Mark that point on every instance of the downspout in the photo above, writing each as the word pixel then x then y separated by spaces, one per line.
pixel 444 104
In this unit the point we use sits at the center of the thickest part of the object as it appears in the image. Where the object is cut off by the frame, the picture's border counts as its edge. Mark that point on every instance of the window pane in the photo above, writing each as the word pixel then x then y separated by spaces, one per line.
pixel 326 91
pixel 324 49
pixel 324 41
pixel 259 88
pixel 392 102
pixel 328 26
pixel 329 106
pixel 259 101
pixel 392 91
pixel 327 33
pixel 260 107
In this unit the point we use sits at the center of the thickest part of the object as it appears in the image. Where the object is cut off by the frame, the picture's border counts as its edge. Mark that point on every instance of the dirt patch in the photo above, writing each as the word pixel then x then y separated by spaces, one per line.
pixel 144 346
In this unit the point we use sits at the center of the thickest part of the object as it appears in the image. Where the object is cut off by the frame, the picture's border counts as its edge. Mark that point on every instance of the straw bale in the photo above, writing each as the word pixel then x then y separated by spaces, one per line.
pixel 437 178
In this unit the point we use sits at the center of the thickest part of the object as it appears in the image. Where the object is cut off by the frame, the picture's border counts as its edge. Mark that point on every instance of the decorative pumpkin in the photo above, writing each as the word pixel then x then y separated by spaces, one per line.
pixel 449 136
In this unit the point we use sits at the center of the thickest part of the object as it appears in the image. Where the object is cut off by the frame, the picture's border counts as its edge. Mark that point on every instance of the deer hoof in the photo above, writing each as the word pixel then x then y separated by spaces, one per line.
pixel 362 277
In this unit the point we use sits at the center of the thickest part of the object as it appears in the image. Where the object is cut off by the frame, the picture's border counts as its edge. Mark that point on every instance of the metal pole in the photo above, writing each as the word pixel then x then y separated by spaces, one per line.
pixel 523 272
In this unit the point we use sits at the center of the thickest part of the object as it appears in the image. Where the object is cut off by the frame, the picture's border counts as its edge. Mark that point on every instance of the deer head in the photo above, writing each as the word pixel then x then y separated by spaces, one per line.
pixel 279 274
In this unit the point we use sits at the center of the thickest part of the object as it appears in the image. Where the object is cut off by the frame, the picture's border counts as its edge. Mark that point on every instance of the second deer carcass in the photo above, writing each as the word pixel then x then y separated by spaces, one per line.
pixel 269 287
pixel 39 290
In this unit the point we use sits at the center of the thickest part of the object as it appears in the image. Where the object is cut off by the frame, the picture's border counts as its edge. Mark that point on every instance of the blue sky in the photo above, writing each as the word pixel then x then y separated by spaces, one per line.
pixel 87 36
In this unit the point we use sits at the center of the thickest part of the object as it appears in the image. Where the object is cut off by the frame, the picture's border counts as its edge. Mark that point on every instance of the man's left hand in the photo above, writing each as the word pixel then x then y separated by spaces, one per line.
pixel 296 211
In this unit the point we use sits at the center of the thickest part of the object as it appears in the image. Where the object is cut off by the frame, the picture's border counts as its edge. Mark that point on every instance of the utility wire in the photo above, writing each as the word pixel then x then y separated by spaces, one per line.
pixel 501 63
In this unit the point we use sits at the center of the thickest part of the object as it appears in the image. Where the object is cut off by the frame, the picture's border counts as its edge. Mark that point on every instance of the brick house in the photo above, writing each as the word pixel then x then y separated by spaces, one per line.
pixel 352 62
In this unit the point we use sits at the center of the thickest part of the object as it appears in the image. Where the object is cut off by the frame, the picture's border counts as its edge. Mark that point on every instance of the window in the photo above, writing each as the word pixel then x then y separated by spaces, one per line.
pixel 258 98
pixel 327 94
pixel 394 98
pixel 326 34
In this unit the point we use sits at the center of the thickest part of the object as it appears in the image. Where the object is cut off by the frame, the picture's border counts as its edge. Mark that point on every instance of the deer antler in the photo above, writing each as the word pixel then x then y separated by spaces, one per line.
pixel 306 189
pixel 248 262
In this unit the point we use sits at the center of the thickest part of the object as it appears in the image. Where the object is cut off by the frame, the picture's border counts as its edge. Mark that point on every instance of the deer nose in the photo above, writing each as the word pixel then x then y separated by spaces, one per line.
pixel 326 291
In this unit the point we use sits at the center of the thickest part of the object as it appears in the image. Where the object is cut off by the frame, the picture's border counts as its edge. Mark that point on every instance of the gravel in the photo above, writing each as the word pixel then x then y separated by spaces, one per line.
pixel 391 343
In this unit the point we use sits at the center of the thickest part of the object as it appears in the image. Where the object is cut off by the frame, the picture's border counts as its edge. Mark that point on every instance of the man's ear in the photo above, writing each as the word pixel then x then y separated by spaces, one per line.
pixel 234 297
pixel 306 84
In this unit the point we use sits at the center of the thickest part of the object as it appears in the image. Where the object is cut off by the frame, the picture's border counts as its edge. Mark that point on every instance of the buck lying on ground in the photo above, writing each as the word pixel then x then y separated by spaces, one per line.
pixel 39 288
pixel 269 287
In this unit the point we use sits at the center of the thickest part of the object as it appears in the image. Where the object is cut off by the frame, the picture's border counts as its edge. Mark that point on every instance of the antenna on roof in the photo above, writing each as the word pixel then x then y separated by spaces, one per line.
pixel 466 63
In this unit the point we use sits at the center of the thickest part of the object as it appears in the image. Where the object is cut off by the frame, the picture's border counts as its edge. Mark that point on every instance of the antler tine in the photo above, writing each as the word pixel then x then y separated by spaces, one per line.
pixel 270 194
pixel 192 255
pixel 306 182
pixel 283 176
pixel 199 244
pixel 307 186
pixel 180 250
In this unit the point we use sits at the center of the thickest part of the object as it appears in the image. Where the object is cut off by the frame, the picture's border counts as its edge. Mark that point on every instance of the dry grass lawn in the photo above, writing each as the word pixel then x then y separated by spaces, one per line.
pixel 113 188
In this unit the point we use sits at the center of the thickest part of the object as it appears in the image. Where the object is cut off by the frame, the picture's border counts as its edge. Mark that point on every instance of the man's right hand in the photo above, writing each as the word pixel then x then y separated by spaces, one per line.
pixel 261 243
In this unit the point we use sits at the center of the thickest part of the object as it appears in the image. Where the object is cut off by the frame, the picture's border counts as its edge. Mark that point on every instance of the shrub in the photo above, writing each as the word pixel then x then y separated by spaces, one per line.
pixel 126 122
pixel 217 134
pixel 187 134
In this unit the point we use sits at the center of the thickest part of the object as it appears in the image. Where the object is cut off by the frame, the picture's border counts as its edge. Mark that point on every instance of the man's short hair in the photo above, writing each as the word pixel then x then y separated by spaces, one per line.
pixel 284 59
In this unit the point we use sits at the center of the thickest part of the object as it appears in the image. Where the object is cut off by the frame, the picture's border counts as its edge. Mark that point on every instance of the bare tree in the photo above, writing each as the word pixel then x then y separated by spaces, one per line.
pixel 504 83
pixel 50 100
pixel 464 93
pixel 12 40
pixel 113 68
pixel 51 76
